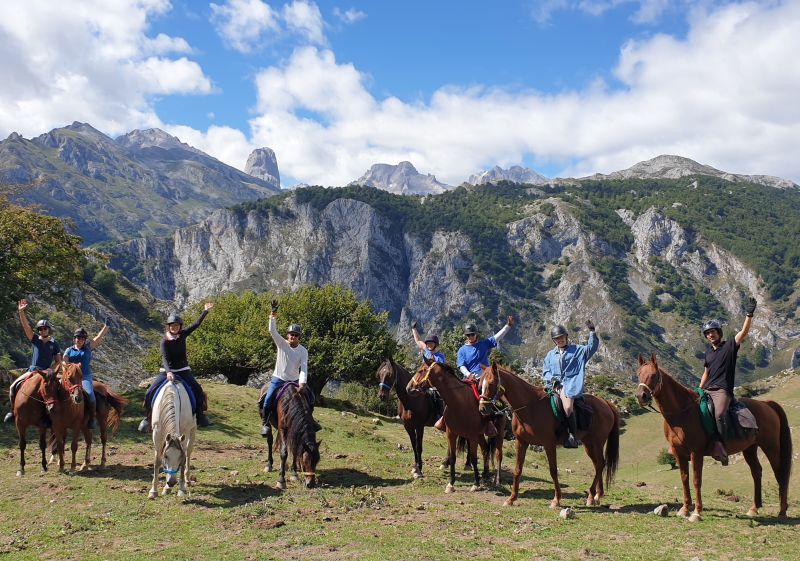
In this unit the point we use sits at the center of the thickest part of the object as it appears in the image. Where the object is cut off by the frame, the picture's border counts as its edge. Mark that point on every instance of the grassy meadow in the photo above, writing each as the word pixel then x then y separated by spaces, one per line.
pixel 368 507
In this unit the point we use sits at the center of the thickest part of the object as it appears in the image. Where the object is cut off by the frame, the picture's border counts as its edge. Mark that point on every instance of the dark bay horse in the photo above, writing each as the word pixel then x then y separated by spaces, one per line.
pixel 684 432
pixel 36 395
pixel 68 414
pixel 463 419
pixel 414 409
pixel 535 423
pixel 296 433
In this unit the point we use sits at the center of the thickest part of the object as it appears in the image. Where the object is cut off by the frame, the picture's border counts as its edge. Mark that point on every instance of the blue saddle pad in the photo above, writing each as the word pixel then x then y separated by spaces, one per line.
pixel 192 399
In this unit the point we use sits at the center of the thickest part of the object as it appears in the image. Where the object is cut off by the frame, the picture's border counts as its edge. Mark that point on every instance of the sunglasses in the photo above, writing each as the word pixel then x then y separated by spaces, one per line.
pixel 81 337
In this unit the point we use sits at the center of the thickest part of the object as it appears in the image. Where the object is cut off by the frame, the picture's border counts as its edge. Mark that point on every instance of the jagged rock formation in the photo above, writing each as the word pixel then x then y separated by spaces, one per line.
pixel 402 179
pixel 144 183
pixel 263 164
pixel 674 167
pixel 514 174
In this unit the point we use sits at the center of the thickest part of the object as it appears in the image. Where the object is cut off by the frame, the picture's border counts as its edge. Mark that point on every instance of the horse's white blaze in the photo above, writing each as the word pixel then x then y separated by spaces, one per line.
pixel 174 429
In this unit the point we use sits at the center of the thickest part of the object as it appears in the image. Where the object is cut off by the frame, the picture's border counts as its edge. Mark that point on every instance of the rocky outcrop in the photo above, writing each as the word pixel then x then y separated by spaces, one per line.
pixel 514 174
pixel 402 179
pixel 263 164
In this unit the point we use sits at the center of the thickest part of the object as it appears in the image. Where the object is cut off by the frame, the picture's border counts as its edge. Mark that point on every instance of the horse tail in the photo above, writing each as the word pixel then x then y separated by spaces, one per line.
pixel 612 446
pixel 491 446
pixel 784 470
pixel 117 405
pixel 461 444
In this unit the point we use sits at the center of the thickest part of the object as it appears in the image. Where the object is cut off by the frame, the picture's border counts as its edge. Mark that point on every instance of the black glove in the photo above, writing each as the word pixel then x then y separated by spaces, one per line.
pixel 590 324
pixel 107 321
pixel 413 324
pixel 750 307
pixel 274 306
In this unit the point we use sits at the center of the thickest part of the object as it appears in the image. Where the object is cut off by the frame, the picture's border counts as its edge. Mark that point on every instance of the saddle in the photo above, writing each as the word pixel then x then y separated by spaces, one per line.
pixel 192 397
pixel 309 396
pixel 583 411
pixel 741 421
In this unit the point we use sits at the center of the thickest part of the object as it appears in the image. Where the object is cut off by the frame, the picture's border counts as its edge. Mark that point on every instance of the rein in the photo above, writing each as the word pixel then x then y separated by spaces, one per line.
pixel 498 394
pixel 658 389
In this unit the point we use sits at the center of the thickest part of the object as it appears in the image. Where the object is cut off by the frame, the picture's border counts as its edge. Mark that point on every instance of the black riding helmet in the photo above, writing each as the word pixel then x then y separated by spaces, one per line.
pixel 80 332
pixel 174 318
pixel 712 324
pixel 44 323
pixel 558 331
pixel 470 329
pixel 295 329
pixel 433 339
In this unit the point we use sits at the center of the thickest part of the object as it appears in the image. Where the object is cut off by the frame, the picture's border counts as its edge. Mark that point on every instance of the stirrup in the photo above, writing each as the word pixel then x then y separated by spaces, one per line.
pixel 720 454
pixel 9 417
pixel 144 426
pixel 571 441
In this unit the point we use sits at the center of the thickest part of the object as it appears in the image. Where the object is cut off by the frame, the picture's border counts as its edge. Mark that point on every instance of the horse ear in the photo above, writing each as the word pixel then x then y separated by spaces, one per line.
pixel 168 439
pixel 182 437
pixel 641 359
pixel 653 358
pixel 494 368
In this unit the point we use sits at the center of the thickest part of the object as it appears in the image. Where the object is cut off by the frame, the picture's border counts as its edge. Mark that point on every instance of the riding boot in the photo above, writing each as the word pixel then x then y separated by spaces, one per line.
pixel 144 425
pixel 440 424
pixel 719 453
pixel 202 419
pixel 572 440
pixel 9 417
pixel 264 422
pixel 91 412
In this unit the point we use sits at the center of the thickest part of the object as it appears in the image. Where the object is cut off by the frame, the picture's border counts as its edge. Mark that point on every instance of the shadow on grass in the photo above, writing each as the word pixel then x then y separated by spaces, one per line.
pixel 346 477
pixel 770 520
pixel 231 496
pixel 547 494
pixel 119 472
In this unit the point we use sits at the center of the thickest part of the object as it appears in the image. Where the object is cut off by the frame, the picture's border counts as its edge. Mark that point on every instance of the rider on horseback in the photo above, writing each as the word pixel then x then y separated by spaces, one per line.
pixel 719 371
pixel 473 357
pixel 81 352
pixel 291 365
pixel 44 352
pixel 174 361
pixel 430 354
pixel 565 368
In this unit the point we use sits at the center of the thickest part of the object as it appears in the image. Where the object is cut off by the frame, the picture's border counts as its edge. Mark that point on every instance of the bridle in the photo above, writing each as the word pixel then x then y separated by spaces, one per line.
pixel 654 390
pixel 415 384
pixel 386 386
pixel 484 400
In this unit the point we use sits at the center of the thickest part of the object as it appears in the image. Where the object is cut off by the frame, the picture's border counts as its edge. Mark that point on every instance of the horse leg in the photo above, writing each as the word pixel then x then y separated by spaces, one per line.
pixel 773 454
pixel 412 436
pixel 420 432
pixel 103 440
pixel 43 446
pixel 152 494
pixel 451 459
pixel 473 455
pixel 751 457
pixel 595 454
pixel 522 449
pixel 697 472
pixel 187 471
pixel 87 440
pixel 683 466
pixel 552 461
pixel 23 443
pixel 269 467
pixel 284 455
pixel 74 449
pixel 61 442
pixel 498 456
pixel 484 444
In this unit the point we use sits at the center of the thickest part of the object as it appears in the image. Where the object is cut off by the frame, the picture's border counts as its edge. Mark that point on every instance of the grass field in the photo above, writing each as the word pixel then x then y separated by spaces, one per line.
pixel 368 507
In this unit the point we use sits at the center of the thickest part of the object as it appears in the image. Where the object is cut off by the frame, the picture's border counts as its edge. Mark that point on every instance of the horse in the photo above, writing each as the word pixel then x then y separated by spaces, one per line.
pixel 35 397
pixel 534 423
pixel 463 419
pixel 415 410
pixel 174 430
pixel 684 432
pixel 68 413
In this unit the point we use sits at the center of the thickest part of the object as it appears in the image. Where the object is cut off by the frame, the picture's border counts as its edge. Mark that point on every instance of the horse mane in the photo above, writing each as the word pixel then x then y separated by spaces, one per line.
pixel 676 384
pixel 167 412
pixel 538 390
pixel 300 433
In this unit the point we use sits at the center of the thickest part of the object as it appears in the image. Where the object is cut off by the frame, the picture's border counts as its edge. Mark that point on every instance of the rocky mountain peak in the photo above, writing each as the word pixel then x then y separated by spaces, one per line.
pixel 403 179
pixel 515 174
pixel 263 163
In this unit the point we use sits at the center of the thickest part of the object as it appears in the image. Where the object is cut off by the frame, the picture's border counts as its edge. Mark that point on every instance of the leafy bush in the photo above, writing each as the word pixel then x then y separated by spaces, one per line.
pixel 666 459
pixel 365 399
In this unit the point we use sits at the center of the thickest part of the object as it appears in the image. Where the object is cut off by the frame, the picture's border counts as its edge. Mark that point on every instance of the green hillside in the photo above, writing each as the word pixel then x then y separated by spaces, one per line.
pixel 369 508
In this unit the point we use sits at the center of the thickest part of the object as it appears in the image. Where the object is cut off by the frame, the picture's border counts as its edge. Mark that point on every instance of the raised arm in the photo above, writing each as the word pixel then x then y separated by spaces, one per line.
pixel 750 308
pixel 419 342
pixel 208 305
pixel 303 370
pixel 101 334
pixel 26 327
pixel 506 328
pixel 594 341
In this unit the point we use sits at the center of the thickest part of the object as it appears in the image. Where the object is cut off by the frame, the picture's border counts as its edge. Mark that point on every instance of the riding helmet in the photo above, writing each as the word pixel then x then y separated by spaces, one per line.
pixel 295 329
pixel 712 324
pixel 174 318
pixel 44 323
pixel 470 329
pixel 433 339
pixel 558 331
pixel 80 332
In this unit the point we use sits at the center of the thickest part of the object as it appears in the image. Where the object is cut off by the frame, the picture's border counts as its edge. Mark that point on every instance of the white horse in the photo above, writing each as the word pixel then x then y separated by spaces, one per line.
pixel 174 429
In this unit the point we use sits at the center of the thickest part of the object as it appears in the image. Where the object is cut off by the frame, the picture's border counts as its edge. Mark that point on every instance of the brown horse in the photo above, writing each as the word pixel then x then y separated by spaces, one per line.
pixel 35 397
pixel 684 432
pixel 68 413
pixel 535 423
pixel 463 419
pixel 415 410
pixel 296 433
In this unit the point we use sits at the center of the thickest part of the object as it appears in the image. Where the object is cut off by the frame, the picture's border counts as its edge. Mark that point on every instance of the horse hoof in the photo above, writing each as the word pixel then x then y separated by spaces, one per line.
pixel 752 512
pixel 20 473
pixel 293 477
pixel 181 493
pixel 508 502
pixel 474 488
pixel 683 513
pixel 695 517
pixel 555 504
pixel 590 501
pixel 152 494
pixel 417 475
pixel 280 485
pixel 166 490
pixel 449 488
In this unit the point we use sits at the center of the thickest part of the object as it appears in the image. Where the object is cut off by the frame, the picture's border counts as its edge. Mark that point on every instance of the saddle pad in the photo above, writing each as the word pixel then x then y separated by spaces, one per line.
pixel 707 413
pixel 192 398
pixel 742 415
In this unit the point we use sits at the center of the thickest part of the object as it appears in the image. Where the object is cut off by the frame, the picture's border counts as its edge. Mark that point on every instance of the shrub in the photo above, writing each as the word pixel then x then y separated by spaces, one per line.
pixel 365 399
pixel 666 459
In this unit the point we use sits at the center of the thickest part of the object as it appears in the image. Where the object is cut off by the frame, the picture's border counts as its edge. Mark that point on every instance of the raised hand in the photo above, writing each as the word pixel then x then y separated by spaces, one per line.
pixel 750 307
pixel 107 321
pixel 414 324
pixel 22 304
pixel 208 306
pixel 274 306
pixel 510 321
pixel 590 325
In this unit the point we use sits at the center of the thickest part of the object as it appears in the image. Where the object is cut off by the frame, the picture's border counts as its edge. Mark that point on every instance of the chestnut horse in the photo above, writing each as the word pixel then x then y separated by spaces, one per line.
pixel 463 419
pixel 414 409
pixel 535 424
pixel 68 414
pixel 684 432
pixel 35 397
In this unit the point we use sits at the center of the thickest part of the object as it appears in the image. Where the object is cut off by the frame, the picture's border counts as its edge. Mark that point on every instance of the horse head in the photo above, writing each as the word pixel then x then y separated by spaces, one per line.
pixel 491 389
pixel 421 379
pixel 71 378
pixel 387 378
pixel 308 460
pixel 48 389
pixel 173 456
pixel 650 380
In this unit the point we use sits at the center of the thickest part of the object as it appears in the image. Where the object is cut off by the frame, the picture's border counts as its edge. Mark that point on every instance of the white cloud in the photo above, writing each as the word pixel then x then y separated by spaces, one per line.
pixel 349 16
pixel 88 61
pixel 648 10
pixel 241 23
pixel 305 19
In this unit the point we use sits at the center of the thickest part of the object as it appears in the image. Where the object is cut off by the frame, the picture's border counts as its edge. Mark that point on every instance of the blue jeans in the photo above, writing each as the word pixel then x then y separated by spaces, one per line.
pixel 269 397
pixel 188 379
pixel 88 387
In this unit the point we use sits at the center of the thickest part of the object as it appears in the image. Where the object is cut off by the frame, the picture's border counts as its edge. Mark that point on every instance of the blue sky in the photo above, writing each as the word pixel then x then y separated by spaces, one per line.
pixel 569 87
